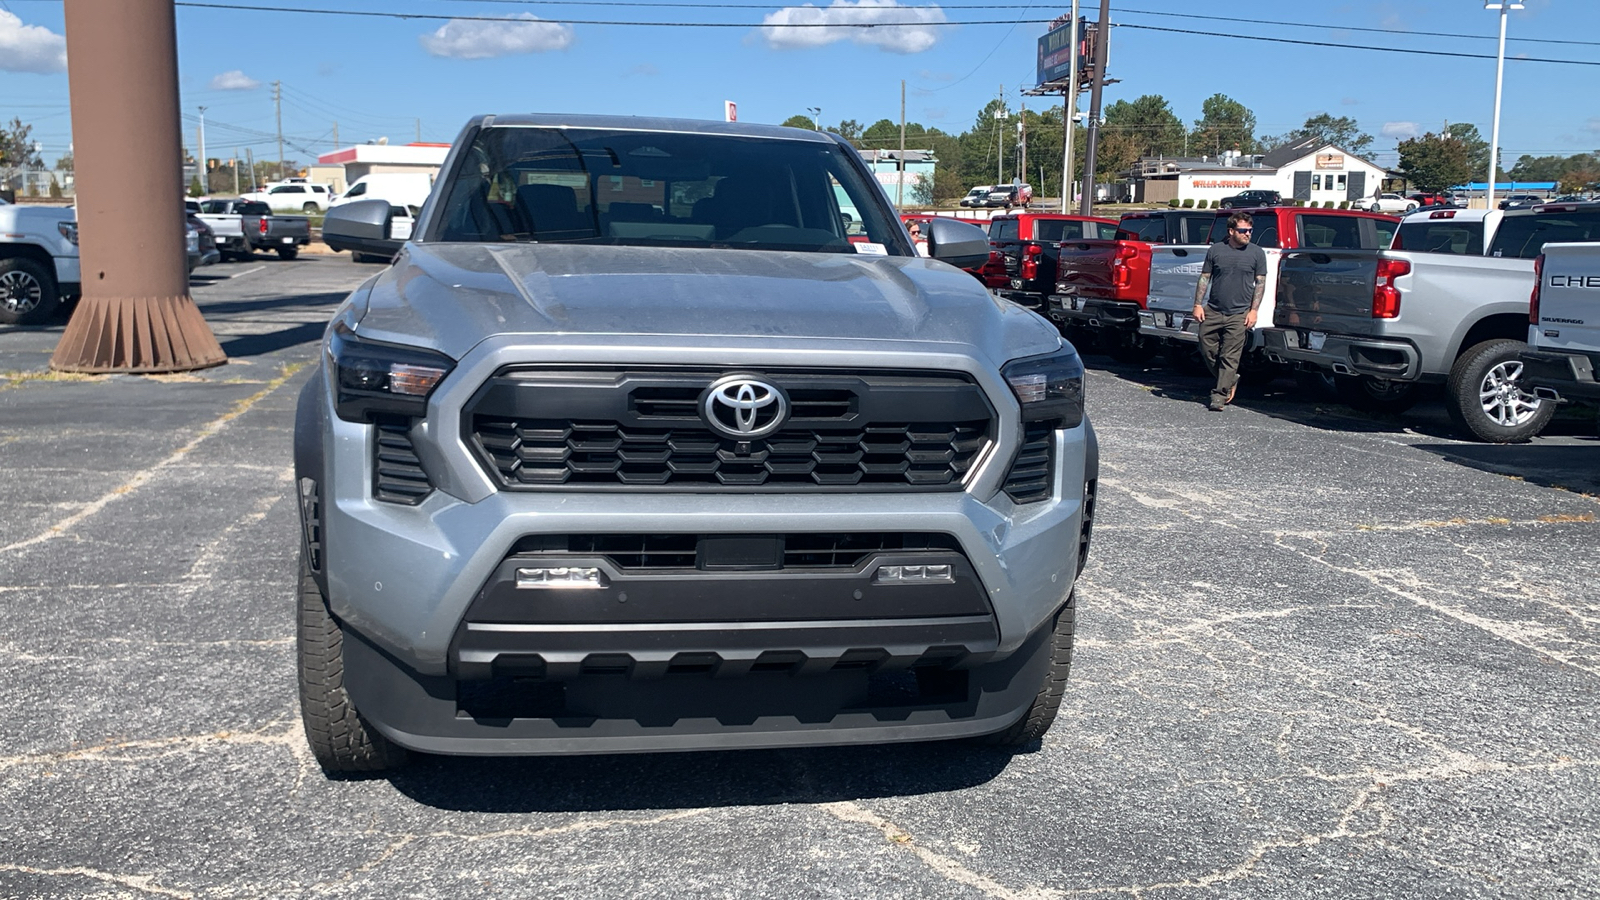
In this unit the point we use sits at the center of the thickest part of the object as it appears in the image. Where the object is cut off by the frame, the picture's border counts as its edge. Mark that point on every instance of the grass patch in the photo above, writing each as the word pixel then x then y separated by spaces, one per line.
pixel 15 378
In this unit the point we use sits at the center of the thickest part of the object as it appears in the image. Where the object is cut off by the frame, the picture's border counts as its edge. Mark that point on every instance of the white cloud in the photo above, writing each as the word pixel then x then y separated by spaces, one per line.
pixel 462 39
pixel 30 48
pixel 1400 130
pixel 829 24
pixel 235 80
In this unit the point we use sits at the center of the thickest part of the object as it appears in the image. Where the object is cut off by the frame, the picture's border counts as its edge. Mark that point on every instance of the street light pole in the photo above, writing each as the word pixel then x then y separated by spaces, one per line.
pixel 1505 7
pixel 1069 113
pixel 816 117
pixel 205 181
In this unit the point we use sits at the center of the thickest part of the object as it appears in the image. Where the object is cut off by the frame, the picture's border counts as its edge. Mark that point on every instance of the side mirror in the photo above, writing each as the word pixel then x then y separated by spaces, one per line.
pixel 361 226
pixel 961 244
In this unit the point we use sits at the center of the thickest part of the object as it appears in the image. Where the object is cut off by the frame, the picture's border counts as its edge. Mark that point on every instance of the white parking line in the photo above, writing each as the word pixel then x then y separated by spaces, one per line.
pixel 246 272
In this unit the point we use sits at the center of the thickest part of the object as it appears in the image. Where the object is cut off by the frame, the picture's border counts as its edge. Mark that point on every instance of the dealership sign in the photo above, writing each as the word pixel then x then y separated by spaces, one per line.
pixel 1231 183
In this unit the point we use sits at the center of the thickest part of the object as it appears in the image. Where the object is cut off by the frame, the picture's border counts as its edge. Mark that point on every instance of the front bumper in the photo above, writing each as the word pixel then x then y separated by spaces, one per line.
pixel 443 657
pixel 1558 376
pixel 1390 359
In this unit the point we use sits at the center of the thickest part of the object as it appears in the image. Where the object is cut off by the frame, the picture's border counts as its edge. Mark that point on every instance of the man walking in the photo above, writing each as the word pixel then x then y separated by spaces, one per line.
pixel 1232 282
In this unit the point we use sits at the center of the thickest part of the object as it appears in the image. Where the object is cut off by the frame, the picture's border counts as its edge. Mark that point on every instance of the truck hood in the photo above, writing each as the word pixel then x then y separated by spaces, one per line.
pixel 452 296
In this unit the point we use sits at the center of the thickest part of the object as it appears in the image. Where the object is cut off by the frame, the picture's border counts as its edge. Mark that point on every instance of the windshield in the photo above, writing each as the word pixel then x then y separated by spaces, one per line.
pixel 664 189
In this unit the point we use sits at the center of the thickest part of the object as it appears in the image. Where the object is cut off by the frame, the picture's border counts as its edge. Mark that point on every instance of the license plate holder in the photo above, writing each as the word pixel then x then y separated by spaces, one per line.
pixel 1315 340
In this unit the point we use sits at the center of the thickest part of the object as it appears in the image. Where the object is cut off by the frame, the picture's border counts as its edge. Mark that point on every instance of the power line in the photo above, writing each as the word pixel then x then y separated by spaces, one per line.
pixel 511 20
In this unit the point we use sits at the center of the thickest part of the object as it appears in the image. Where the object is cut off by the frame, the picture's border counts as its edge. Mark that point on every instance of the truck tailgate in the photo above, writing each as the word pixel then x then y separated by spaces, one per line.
pixel 1569 299
pixel 1084 268
pixel 1331 290
pixel 1174 272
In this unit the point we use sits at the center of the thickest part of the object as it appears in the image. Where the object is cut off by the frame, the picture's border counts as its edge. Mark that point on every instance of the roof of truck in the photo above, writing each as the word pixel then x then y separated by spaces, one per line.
pixel 652 123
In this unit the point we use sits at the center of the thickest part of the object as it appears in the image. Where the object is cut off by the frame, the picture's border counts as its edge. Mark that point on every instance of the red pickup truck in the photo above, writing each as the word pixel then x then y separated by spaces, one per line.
pixel 1030 244
pixel 992 273
pixel 1101 283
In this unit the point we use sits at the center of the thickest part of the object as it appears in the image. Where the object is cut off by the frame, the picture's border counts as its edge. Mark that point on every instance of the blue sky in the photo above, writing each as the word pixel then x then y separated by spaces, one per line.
pixel 379 77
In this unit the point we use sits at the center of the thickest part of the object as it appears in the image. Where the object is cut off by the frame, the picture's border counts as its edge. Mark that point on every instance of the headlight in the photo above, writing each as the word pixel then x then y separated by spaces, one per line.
pixel 69 230
pixel 370 378
pixel 1048 387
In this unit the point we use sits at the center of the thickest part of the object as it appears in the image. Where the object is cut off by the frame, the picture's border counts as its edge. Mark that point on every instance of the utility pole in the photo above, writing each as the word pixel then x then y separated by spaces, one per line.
pixel 1069 113
pixel 1022 138
pixel 900 185
pixel 250 159
pixel 419 131
pixel 205 174
pixel 1102 45
pixel 277 105
pixel 335 134
pixel 1000 140
pixel 236 171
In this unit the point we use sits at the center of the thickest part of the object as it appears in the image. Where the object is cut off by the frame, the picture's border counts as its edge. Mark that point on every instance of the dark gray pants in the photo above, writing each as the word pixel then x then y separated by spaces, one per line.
pixel 1222 340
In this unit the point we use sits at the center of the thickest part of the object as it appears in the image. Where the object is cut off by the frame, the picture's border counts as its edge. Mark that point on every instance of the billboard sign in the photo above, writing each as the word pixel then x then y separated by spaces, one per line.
pixel 1055 55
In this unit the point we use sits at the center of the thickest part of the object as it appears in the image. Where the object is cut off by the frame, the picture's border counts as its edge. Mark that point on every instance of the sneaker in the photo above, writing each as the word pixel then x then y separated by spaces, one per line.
pixel 1216 406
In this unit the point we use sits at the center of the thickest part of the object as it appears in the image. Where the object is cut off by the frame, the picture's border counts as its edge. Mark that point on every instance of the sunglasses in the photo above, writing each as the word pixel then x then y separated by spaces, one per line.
pixel 1243 230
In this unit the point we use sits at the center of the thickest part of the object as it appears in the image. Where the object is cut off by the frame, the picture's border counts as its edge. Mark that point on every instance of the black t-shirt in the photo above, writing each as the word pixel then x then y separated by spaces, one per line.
pixel 1233 272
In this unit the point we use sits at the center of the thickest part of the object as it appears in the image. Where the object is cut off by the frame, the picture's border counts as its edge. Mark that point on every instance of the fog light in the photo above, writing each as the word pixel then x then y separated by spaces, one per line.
pixel 914 574
pixel 560 578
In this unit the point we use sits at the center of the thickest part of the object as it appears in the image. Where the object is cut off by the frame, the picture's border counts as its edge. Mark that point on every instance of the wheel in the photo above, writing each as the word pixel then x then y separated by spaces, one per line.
pixel 1411 208
pixel 1378 395
pixel 287 253
pixel 340 739
pixel 1135 348
pixel 28 294
pixel 1486 397
pixel 309 209
pixel 1042 712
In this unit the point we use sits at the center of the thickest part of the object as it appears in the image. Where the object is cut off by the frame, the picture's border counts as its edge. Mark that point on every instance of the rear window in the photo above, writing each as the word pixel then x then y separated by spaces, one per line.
pixel 1524 237
pixel 253 208
pixel 1003 230
pixel 1152 229
pixel 1055 230
pixel 1441 236
pixel 1331 233
pixel 1264 231
pixel 1197 229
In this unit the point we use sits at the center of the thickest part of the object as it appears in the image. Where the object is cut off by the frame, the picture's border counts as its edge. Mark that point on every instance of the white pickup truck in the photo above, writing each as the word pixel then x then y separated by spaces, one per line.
pixel 38 261
pixel 1564 324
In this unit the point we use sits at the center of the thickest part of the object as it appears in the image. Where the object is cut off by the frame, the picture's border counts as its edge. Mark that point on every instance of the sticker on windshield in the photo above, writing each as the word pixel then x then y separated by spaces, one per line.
pixel 871 249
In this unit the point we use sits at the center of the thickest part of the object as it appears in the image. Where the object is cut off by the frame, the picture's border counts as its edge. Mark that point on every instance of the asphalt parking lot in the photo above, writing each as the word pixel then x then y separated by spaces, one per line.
pixel 1319 656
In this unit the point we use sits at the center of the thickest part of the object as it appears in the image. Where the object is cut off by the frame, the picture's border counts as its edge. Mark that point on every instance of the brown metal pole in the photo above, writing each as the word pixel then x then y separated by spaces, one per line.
pixel 136 314
pixel 1101 48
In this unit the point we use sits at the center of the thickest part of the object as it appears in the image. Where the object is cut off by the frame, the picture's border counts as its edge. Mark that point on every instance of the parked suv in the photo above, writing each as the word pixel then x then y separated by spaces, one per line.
pixel 1247 199
pixel 978 196
pixel 630 450
pixel 1009 195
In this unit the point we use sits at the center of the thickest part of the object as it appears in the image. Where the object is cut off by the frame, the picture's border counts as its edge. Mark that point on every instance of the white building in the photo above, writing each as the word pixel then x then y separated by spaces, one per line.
pixel 342 167
pixel 1309 170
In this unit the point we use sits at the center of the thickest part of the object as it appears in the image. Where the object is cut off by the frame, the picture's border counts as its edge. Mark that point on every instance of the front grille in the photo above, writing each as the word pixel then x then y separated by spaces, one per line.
pixel 536 429
pixel 397 473
pixel 1029 480
pixel 679 551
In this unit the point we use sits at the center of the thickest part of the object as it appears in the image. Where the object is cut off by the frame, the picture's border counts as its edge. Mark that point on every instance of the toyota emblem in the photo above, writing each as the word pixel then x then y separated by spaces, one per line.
pixel 743 407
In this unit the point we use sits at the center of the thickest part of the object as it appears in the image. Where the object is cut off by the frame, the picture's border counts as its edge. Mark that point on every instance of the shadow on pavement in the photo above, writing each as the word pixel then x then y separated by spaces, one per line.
pixel 696 780
pixel 1573 467
pixel 211 307
pixel 262 344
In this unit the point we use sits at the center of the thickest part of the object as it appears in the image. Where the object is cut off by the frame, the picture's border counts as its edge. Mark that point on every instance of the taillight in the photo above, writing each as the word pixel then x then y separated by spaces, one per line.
pixel 1130 272
pixel 1385 296
pixel 1030 261
pixel 263 224
pixel 1443 214
pixel 1538 284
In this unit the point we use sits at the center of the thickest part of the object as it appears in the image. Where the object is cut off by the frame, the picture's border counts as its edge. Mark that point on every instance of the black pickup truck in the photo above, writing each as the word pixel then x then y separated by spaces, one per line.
pixel 1031 243
pixel 245 226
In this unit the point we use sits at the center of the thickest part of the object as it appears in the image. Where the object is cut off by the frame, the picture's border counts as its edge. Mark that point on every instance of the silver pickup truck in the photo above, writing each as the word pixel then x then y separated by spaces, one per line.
pixel 1563 358
pixel 38 261
pixel 635 448
pixel 1385 322
pixel 245 226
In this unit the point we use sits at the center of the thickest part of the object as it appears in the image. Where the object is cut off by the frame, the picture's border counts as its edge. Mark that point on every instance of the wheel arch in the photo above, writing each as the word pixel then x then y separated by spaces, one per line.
pixel 310 476
pixel 33 253
pixel 1497 325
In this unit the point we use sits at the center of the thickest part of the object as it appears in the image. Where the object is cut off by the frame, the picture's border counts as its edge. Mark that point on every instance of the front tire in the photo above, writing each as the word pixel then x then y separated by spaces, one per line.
pixel 1041 713
pixel 340 739
pixel 309 209
pixel 1378 395
pixel 28 292
pixel 1486 397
